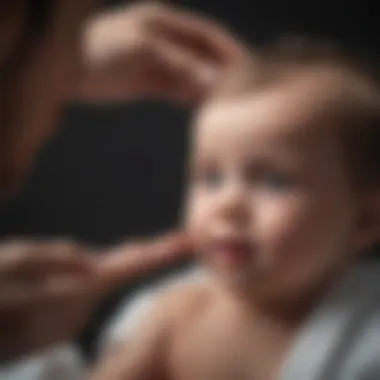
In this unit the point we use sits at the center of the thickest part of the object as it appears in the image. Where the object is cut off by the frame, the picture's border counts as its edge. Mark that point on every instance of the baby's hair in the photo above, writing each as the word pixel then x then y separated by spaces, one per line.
pixel 359 121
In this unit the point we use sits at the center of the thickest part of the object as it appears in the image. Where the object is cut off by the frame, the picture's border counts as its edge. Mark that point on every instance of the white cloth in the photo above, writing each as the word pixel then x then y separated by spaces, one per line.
pixel 58 363
pixel 340 341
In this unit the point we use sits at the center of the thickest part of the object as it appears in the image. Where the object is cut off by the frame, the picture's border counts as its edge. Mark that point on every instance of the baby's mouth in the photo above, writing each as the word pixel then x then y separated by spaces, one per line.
pixel 231 253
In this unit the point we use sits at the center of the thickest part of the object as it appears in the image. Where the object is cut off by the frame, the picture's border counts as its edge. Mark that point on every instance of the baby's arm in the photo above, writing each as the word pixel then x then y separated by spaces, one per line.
pixel 141 355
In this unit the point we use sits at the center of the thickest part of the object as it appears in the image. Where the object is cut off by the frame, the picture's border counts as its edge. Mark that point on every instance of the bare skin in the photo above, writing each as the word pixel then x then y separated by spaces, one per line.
pixel 199 333
pixel 273 216
pixel 48 289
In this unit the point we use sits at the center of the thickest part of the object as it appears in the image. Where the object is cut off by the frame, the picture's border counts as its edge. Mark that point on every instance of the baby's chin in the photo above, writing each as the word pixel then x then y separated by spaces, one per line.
pixel 249 277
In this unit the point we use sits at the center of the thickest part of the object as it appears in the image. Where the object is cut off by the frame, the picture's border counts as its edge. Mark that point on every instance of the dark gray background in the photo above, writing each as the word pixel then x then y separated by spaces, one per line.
pixel 118 171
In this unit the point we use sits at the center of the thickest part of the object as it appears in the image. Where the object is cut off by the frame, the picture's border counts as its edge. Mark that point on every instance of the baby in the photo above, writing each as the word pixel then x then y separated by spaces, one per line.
pixel 283 206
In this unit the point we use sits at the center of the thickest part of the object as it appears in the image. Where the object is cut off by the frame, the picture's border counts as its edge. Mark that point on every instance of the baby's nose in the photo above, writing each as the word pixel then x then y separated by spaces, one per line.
pixel 233 204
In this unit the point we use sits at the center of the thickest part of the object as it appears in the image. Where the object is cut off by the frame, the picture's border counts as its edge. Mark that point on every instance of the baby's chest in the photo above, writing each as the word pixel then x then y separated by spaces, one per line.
pixel 211 350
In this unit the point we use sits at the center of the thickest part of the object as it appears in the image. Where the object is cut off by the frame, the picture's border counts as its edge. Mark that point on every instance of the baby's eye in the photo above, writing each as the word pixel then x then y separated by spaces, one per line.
pixel 270 179
pixel 276 181
pixel 210 178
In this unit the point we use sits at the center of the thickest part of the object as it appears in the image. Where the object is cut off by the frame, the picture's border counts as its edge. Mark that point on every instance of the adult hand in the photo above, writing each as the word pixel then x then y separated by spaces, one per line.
pixel 48 290
pixel 154 50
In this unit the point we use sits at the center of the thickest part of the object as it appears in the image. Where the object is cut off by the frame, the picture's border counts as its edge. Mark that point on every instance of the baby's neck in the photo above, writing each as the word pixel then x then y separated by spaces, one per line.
pixel 284 308
pixel 293 309
pixel 289 310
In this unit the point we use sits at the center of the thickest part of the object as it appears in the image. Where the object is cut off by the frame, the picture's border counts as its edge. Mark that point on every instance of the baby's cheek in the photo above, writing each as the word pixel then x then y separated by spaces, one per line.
pixel 194 217
pixel 198 220
pixel 288 244
pixel 302 241
pixel 285 228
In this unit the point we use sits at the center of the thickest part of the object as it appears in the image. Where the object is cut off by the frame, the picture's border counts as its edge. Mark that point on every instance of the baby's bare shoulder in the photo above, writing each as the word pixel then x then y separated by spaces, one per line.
pixel 140 354
pixel 187 301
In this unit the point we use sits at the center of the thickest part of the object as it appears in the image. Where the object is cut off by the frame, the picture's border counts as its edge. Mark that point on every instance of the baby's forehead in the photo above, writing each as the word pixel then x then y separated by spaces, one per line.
pixel 298 103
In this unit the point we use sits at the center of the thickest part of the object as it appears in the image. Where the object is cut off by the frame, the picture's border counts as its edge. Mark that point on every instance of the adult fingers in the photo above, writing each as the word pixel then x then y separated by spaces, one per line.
pixel 132 260
pixel 23 259
pixel 207 38
pixel 179 73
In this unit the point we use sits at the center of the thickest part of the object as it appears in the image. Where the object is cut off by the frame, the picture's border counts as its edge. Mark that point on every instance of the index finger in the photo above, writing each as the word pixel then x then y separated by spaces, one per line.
pixel 203 34
pixel 131 260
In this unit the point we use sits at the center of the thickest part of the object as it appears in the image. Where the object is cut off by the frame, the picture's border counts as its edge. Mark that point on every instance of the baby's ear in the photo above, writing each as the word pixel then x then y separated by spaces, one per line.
pixel 368 231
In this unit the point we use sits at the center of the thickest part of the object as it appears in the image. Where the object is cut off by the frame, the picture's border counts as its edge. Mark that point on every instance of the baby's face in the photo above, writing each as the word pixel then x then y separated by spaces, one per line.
pixel 269 204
